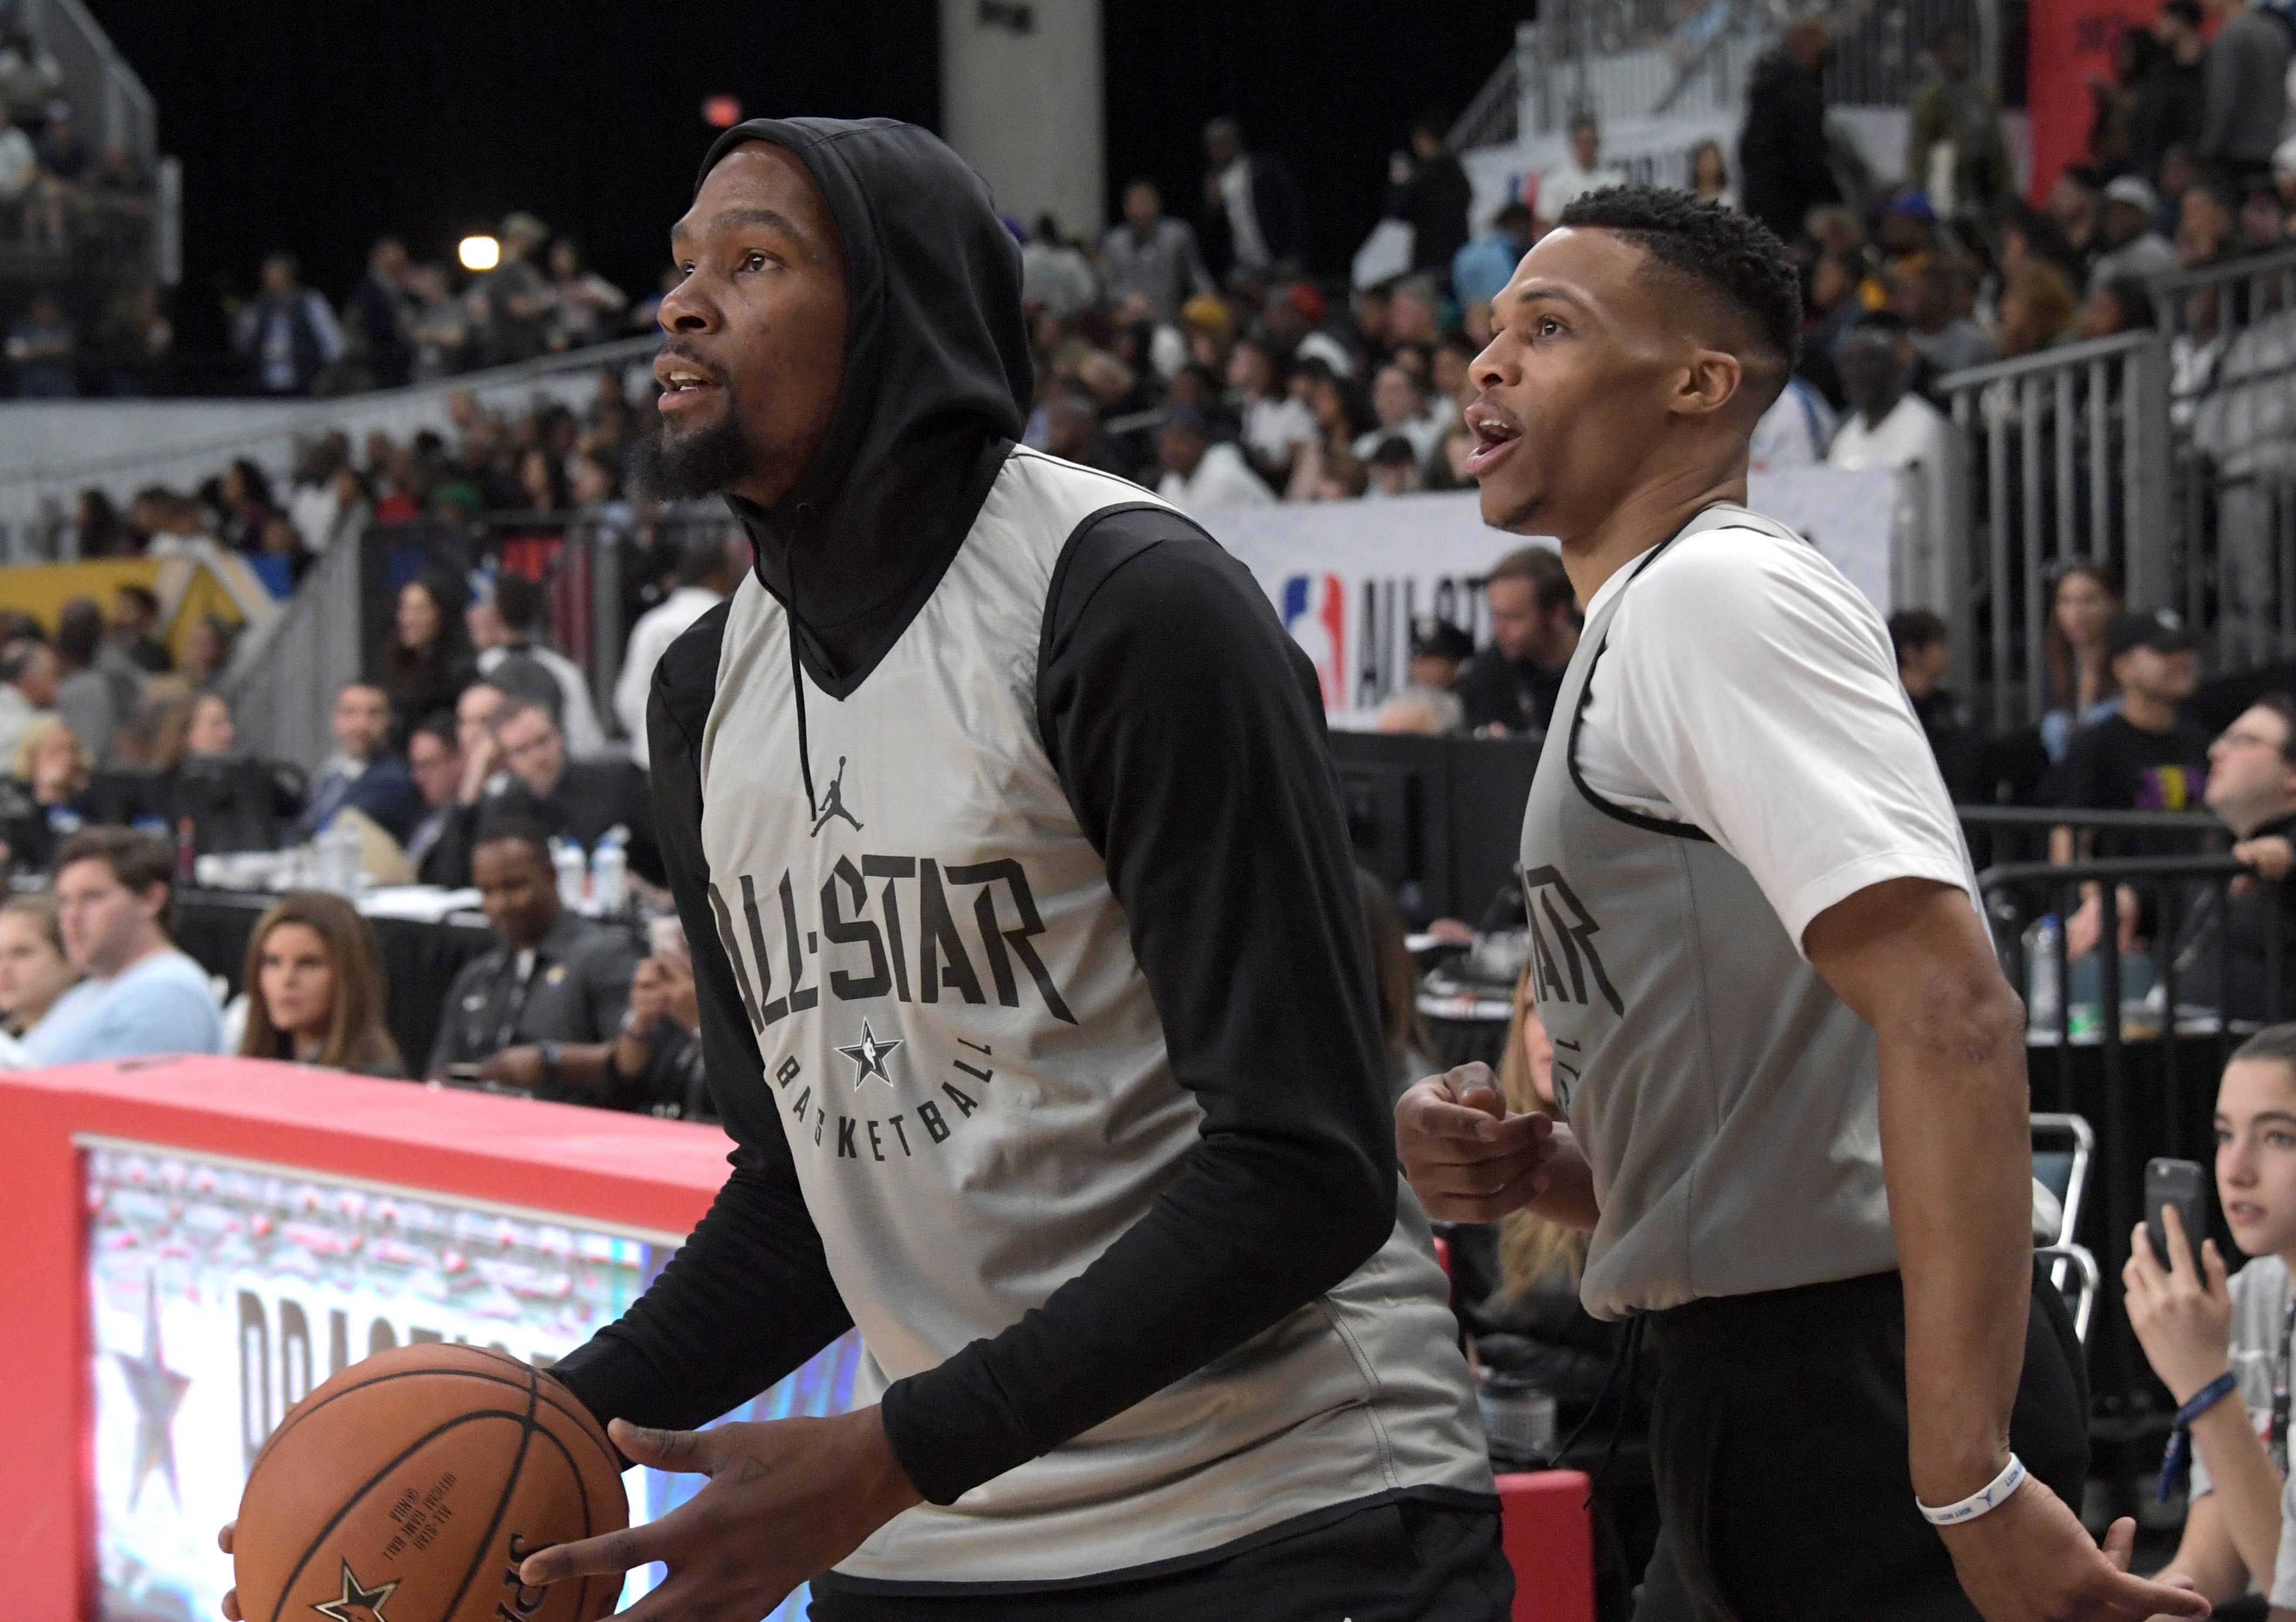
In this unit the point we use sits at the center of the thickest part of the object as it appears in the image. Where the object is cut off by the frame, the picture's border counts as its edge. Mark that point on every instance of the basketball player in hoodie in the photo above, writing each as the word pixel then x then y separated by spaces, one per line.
pixel 995 807
pixel 1794 1075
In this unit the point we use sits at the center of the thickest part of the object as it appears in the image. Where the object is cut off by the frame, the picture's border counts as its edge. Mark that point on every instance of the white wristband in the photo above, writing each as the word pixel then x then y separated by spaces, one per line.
pixel 1989 1498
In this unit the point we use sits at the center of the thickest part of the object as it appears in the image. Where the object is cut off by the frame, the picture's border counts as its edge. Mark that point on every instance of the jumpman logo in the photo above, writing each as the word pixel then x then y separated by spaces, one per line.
pixel 834 805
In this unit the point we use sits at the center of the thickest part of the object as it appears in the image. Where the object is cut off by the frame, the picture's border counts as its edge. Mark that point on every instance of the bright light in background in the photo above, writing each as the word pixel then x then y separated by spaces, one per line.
pixel 721 111
pixel 478 252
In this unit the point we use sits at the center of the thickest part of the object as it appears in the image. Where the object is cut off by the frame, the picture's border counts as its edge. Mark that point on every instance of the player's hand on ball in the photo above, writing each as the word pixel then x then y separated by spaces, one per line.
pixel 2031 1560
pixel 1467 1158
pixel 787 1499
pixel 230 1605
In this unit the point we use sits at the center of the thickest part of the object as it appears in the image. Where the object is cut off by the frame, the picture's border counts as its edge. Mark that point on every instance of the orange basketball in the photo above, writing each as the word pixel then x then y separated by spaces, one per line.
pixel 409 1487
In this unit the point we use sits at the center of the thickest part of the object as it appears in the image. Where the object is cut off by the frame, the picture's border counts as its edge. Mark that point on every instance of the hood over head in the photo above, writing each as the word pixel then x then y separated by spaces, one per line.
pixel 937 384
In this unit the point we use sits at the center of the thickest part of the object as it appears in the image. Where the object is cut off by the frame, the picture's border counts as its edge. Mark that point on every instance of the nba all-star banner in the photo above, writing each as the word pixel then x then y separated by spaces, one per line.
pixel 1349 578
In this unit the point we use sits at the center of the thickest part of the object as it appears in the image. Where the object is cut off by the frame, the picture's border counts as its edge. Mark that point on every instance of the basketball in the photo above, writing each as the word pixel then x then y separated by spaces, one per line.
pixel 409 1488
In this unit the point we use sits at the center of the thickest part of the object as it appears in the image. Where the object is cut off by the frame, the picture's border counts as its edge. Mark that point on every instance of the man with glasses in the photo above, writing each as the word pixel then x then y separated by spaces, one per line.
pixel 580 799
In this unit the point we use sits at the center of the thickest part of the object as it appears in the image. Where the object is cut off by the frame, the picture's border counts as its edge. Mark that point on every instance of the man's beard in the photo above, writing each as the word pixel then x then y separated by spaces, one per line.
pixel 704 462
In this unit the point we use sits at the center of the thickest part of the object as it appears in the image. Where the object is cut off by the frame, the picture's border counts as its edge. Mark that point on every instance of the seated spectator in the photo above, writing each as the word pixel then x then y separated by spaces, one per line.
pixel 211 733
pixel 44 350
pixel 518 604
pixel 1201 476
pixel 1398 401
pixel 34 972
pixel 1890 426
pixel 434 760
pixel 363 774
pixel 2145 756
pixel 314 988
pixel 554 978
pixel 2224 951
pixel 1794 430
pixel 1403 1033
pixel 1945 337
pixel 1426 704
pixel 1585 171
pixel 1276 424
pixel 653 1065
pixel 1152 256
pixel 1486 265
pixel 430 660
pixel 1923 653
pixel 45 800
pixel 2198 1328
pixel 2085 601
pixel 92 698
pixel 706 573
pixel 2133 246
pixel 27 690
pixel 208 648
pixel 1394 468
pixel 134 613
pixel 1710 175
pixel 581 799
pixel 2037 307
pixel 116 896
pixel 2122 304
pixel 1511 685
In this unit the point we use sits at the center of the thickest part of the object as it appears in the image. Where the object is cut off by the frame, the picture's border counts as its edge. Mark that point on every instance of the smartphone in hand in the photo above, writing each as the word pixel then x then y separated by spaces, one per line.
pixel 2183 1184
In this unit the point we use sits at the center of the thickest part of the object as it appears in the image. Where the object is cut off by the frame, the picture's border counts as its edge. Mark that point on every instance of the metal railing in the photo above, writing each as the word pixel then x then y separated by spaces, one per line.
pixel 1635 59
pixel 108 98
pixel 2134 1042
pixel 2231 331
pixel 2070 459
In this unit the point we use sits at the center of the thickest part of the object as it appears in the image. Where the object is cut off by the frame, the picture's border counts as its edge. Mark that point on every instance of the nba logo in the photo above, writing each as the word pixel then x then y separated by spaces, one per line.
pixel 1315 613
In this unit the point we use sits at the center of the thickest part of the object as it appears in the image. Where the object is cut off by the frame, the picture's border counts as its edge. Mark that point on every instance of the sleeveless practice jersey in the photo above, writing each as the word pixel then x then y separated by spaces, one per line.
pixel 973 1081
pixel 1725 1099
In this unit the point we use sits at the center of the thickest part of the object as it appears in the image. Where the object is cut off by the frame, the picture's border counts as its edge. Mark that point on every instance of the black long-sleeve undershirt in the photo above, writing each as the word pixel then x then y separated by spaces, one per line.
pixel 1187 731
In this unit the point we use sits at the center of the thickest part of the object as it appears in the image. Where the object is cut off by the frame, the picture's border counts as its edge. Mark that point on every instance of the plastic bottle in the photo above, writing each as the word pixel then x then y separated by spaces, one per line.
pixel 573 872
pixel 610 867
pixel 2042 994
pixel 342 866
pixel 186 850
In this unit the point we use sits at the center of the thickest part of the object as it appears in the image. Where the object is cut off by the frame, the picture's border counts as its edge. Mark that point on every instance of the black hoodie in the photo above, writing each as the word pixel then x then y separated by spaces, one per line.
pixel 1187 730
pixel 938 379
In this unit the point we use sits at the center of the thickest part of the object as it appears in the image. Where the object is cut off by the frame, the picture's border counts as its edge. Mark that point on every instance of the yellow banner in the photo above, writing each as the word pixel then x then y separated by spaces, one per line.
pixel 188 590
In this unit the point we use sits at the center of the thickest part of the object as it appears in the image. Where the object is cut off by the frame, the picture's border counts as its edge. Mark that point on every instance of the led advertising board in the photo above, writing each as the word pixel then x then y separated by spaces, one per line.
pixel 219 1292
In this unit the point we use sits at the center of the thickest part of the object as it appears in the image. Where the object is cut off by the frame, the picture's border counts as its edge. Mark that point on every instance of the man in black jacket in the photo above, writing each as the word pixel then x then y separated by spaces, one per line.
pixel 1782 168
pixel 1427 191
pixel 1033 992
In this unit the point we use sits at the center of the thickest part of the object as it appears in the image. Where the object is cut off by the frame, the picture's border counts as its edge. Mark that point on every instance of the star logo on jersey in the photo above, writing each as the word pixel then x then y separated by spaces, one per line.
pixel 870 1054
pixel 360 1603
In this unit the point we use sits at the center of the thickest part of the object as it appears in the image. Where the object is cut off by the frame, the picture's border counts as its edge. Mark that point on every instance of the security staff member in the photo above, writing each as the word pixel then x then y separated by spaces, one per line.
pixel 1793 1073
pixel 555 976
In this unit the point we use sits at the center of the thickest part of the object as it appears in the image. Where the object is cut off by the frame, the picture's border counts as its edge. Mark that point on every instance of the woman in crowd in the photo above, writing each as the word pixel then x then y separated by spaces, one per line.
pixel 211 733
pixel 2037 308
pixel 314 988
pixel 2085 598
pixel 1709 174
pixel 208 648
pixel 242 498
pixel 430 660
pixel 2122 304
pixel 2223 1343
pixel 1409 1052
pixel 34 972
pixel 45 796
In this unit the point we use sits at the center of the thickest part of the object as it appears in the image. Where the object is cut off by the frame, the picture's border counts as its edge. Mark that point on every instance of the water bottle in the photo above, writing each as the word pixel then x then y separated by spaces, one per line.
pixel 573 872
pixel 2042 994
pixel 610 867
pixel 342 866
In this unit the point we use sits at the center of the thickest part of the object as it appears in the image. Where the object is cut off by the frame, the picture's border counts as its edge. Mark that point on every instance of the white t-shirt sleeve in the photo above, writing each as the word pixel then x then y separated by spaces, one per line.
pixel 1747 688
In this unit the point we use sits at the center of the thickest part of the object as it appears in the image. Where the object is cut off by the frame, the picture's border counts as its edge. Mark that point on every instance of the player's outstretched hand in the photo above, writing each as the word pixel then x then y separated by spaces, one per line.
pixel 1467 1158
pixel 230 1602
pixel 2031 1560
pixel 787 1499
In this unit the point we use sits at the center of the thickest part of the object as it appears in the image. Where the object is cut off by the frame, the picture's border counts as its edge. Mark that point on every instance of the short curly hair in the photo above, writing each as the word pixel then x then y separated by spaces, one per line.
pixel 1731 257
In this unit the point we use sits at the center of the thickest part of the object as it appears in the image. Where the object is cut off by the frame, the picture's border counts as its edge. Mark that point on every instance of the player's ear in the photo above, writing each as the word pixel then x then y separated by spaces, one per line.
pixel 1709 382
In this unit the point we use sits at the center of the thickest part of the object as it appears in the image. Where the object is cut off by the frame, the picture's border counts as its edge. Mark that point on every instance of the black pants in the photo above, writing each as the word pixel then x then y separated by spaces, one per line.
pixel 1778 1440
pixel 1405 1561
